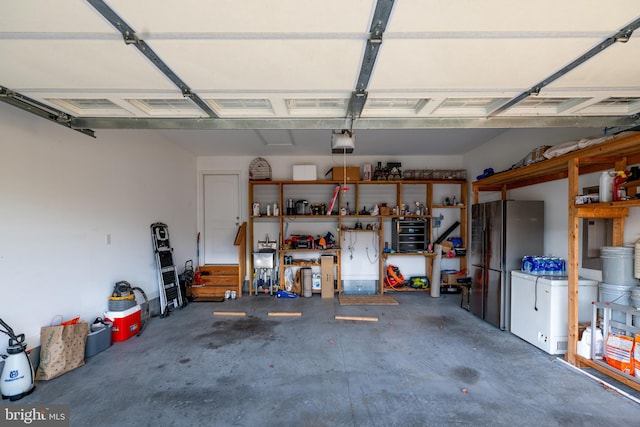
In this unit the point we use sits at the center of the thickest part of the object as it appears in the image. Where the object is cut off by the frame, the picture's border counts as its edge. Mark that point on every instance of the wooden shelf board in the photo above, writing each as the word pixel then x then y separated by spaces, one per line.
pixel 311 250
pixel 603 210
pixel 591 160
pixel 300 263
pixel 337 182
pixel 424 254
pixel 287 217
pixel 610 371
pixel 405 289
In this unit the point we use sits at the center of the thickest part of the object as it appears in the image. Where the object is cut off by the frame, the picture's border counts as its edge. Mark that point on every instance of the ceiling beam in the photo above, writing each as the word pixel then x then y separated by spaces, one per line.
pixel 40 109
pixel 378 26
pixel 621 36
pixel 368 123
pixel 130 38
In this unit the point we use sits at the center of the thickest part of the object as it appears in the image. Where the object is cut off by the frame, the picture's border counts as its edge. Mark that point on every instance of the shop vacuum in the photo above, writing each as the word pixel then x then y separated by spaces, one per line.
pixel 16 380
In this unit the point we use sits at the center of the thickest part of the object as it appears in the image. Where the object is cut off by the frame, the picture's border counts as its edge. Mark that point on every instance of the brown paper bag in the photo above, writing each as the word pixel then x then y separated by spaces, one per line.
pixel 61 349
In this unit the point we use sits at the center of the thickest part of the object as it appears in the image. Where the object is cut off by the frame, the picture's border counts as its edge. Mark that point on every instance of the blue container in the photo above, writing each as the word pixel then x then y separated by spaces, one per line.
pixel 527 264
pixel 560 266
pixel 538 265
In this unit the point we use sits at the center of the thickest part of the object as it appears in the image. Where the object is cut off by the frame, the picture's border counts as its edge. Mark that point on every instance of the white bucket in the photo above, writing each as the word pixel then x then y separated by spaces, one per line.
pixel 617 265
pixel 616 294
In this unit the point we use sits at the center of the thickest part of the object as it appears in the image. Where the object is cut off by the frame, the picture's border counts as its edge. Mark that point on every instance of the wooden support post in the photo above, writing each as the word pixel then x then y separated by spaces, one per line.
pixel 241 242
pixel 504 192
pixel 285 314
pixel 572 262
pixel 618 231
pixel 464 212
pixel 357 318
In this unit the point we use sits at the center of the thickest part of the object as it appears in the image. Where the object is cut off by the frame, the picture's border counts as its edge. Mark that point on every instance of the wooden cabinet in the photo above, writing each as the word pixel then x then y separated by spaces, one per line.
pixel 304 208
pixel 215 280
pixel 615 154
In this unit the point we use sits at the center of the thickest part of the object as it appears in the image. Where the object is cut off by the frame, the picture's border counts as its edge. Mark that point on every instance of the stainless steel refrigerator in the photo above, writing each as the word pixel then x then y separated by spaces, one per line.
pixel 502 232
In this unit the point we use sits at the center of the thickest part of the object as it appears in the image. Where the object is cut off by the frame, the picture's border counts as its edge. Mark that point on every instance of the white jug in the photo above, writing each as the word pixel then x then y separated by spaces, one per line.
pixel 606 187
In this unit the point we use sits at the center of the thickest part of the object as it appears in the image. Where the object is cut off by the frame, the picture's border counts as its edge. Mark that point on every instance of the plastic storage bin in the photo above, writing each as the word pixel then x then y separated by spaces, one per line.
pixel 98 341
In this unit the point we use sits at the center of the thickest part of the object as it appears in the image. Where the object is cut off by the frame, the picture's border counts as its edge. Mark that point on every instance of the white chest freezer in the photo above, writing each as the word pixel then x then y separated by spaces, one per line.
pixel 539 309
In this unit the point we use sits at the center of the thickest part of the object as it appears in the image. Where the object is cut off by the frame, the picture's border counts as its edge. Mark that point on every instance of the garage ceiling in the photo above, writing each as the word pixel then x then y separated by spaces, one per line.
pixel 276 77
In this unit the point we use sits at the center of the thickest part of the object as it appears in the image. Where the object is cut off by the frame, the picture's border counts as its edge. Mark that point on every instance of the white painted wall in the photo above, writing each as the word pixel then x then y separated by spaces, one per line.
pixel 61 194
pixel 509 148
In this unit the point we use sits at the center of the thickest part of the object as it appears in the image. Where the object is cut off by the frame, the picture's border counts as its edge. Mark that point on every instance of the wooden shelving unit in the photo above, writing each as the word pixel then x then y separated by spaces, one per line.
pixel 614 154
pixel 360 193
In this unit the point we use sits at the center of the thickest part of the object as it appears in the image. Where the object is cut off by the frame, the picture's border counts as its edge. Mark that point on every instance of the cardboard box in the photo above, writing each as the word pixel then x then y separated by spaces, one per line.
pixel 327 280
pixel 304 173
pixel 352 173
pixel 450 277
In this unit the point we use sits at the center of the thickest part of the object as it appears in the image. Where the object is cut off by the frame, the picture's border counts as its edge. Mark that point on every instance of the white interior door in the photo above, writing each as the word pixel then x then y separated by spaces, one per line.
pixel 221 217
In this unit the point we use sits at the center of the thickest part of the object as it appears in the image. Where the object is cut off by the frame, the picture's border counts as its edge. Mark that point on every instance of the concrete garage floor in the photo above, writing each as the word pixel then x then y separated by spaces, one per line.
pixel 426 362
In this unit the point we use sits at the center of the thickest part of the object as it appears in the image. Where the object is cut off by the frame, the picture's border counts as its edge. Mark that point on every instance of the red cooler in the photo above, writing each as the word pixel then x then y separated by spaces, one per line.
pixel 125 323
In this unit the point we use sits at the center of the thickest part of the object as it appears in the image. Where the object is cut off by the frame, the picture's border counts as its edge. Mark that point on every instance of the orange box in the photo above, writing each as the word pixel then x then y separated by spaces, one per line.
pixel 352 173
pixel 125 323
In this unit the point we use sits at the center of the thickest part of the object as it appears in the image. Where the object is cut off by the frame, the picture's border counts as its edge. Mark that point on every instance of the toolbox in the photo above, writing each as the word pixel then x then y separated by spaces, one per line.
pixel 410 235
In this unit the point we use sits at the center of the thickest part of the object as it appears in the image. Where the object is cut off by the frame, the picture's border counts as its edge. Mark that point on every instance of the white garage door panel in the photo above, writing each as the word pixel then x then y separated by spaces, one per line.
pixel 255 16
pixel 510 15
pixel 78 64
pixel 263 64
pixel 44 16
pixel 621 60
pixel 472 64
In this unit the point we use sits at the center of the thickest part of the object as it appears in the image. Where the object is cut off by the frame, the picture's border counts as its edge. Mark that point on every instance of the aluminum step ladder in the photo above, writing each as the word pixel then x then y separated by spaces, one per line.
pixel 168 281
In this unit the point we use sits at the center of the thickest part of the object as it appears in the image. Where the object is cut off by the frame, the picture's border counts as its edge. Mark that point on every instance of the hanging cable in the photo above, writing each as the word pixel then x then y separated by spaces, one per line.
pixel 352 244
pixel 374 241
